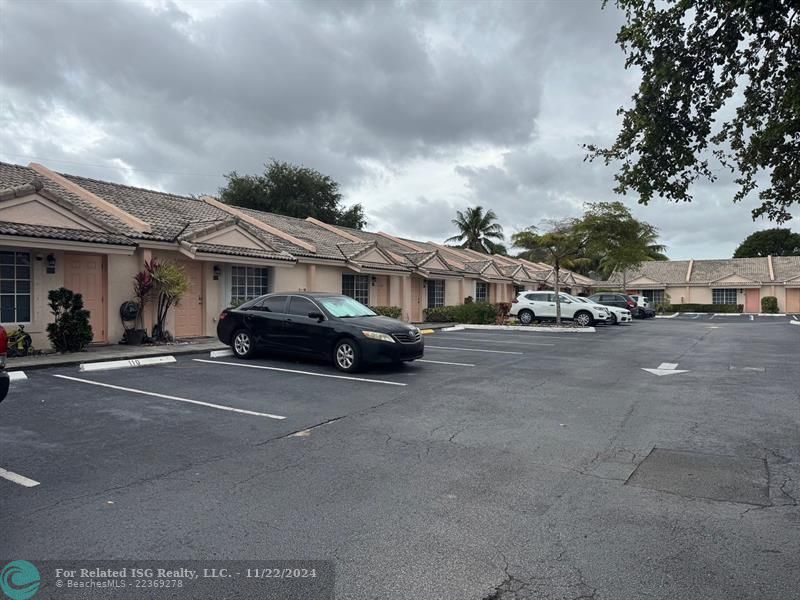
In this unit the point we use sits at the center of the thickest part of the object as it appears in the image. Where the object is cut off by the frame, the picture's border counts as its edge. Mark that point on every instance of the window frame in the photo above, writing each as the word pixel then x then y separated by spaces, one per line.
pixel 15 294
pixel 726 293
pixel 482 285
pixel 649 295
pixel 245 285
pixel 436 290
pixel 357 278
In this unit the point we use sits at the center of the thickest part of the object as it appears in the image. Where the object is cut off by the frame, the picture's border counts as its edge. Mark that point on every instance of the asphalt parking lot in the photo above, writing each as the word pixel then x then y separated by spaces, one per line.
pixel 506 465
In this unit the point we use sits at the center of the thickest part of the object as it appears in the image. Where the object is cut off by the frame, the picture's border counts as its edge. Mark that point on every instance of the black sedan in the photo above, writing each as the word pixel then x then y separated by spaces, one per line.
pixel 330 326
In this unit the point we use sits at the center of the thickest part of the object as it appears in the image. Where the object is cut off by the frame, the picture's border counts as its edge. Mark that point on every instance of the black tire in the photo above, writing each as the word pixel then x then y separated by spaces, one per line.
pixel 526 316
pixel 583 318
pixel 347 355
pixel 614 320
pixel 242 344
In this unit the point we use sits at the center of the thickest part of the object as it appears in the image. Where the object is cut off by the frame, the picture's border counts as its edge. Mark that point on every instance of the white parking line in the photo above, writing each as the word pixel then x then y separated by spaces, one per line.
pixel 499 341
pixel 179 399
pixel 472 349
pixel 295 371
pixel 19 479
pixel 441 362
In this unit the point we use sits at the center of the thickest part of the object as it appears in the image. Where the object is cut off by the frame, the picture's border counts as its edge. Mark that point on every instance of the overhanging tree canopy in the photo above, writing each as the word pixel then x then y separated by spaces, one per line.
pixel 700 59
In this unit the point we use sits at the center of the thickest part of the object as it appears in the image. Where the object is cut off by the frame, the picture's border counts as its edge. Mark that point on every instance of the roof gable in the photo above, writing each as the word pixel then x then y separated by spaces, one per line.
pixel 234 236
pixel 733 279
pixel 643 280
pixel 42 208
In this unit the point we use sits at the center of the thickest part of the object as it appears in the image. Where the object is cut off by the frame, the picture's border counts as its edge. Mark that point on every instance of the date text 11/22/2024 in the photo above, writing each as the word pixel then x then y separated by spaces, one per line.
pixel 184 573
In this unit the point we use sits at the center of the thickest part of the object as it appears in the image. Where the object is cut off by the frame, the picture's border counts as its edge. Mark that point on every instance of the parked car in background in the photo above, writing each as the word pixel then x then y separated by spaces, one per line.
pixel 531 306
pixel 643 305
pixel 618 300
pixel 4 379
pixel 617 315
pixel 330 326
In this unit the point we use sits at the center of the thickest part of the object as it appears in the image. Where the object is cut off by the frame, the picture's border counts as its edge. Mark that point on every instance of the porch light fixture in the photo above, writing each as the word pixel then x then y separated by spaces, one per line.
pixel 217 272
pixel 374 279
pixel 51 264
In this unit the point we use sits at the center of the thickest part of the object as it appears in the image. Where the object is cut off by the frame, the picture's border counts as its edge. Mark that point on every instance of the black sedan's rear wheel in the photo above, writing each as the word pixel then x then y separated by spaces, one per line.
pixel 347 355
pixel 242 344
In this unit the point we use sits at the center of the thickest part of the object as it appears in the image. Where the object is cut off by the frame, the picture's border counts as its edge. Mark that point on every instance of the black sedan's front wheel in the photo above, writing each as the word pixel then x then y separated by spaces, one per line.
pixel 347 355
pixel 242 344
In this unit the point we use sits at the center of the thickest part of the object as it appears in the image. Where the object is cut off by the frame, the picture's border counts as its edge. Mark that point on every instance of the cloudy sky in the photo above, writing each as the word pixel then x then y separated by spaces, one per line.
pixel 417 108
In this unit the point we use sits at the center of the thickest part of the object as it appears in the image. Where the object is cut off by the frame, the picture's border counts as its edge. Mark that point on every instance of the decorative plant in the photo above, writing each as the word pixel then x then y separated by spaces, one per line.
pixel 170 283
pixel 70 330
pixel 142 288
pixel 769 304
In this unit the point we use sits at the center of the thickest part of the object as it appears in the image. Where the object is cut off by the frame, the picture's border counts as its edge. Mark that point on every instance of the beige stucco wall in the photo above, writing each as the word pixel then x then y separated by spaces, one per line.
pixel 452 293
pixel 380 294
pixel 329 278
pixel 121 270
pixel 292 279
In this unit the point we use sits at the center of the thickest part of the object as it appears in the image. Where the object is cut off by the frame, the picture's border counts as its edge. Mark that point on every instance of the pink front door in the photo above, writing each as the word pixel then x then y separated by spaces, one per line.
pixel 85 275
pixel 752 303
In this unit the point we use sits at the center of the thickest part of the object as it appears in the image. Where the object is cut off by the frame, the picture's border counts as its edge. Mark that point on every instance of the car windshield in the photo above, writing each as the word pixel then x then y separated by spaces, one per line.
pixel 345 307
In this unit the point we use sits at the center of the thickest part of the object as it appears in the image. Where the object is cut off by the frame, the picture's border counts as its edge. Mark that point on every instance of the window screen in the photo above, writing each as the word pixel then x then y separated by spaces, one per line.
pixel 248 283
pixel 435 293
pixel 723 296
pixel 15 287
pixel 356 286
pixel 481 291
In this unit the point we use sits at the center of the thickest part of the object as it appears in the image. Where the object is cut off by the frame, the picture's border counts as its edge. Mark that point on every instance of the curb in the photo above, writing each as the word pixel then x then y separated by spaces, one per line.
pixel 794 322
pixel 672 316
pixel 82 358
pixel 220 353
pixel 521 328
pixel 108 365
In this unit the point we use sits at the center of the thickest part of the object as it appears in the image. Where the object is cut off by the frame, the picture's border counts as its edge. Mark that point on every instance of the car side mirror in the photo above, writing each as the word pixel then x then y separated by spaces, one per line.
pixel 316 315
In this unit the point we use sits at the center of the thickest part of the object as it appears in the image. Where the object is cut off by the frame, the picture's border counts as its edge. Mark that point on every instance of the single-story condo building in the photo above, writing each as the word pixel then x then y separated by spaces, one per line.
pixel 93 236
pixel 743 281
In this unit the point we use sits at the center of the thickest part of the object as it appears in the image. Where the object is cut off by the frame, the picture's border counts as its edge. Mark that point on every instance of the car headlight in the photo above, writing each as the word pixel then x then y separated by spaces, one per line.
pixel 376 335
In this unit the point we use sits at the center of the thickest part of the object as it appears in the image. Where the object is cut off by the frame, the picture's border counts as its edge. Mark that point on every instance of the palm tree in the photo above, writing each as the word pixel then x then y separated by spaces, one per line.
pixel 477 230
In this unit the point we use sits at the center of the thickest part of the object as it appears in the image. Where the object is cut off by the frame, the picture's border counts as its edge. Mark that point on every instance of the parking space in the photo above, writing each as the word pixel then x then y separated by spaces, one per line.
pixel 274 456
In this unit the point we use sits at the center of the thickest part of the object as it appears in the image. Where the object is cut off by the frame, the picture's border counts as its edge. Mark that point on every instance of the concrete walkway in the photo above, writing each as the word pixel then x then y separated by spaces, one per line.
pixel 114 352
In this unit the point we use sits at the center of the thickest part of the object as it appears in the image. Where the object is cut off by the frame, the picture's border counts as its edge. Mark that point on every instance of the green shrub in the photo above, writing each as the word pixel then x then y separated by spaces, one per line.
pixel 769 304
pixel 70 330
pixel 394 312
pixel 705 308
pixel 477 313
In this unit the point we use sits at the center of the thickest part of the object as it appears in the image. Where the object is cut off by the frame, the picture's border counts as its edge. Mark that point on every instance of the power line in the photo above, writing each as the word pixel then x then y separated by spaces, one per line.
pixel 126 168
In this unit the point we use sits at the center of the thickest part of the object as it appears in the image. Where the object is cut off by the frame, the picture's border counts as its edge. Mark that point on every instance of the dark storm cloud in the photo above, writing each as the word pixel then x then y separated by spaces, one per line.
pixel 319 83
pixel 400 102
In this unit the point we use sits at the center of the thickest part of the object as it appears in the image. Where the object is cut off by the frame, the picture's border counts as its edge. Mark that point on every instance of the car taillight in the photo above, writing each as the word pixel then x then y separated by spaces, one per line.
pixel 514 301
pixel 223 314
pixel 631 303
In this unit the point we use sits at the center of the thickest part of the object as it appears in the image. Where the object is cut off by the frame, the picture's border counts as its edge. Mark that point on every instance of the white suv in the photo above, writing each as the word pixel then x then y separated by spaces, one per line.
pixel 542 305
